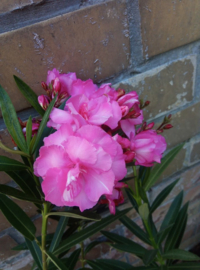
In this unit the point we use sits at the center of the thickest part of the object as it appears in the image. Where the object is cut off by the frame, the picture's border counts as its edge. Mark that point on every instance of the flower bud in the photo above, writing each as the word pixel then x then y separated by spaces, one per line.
pixel 129 156
pixel 149 126
pixel 146 103
pixel 44 86
pixel 56 86
pixel 168 126
pixel 169 116
pixel 124 110
pixel 43 101
pixel 159 131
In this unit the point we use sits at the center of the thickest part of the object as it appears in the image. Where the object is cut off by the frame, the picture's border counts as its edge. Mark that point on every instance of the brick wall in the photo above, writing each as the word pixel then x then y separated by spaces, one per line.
pixel 148 46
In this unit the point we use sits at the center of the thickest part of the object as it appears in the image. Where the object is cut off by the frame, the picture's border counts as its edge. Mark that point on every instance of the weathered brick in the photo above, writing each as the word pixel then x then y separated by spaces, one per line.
pixel 191 242
pixel 6 244
pixel 186 125
pixel 176 165
pixel 9 5
pixel 167 87
pixel 195 153
pixel 168 24
pixel 92 42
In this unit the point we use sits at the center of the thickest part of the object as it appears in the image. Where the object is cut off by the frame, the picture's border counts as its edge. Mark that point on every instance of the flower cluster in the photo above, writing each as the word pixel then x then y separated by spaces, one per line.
pixel 86 157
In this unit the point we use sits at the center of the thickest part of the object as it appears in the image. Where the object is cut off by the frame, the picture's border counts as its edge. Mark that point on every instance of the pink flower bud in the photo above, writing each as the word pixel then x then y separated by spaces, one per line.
pixel 169 116
pixel 43 101
pixel 44 86
pixel 124 110
pixel 56 86
pixel 159 131
pixel 129 156
pixel 168 126
pixel 149 126
pixel 120 93
pixel 147 103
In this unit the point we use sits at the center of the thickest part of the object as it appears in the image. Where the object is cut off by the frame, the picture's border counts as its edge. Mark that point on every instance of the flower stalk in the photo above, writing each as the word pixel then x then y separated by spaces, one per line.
pixel 44 233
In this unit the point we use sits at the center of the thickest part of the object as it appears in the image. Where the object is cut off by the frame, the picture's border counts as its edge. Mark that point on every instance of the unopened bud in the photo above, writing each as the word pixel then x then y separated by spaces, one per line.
pixel 159 131
pixel 144 125
pixel 44 86
pixel 169 116
pixel 135 115
pixel 56 86
pixel 149 126
pixel 120 93
pixel 168 126
pixel 146 103
pixel 43 101
pixel 124 110
pixel 129 156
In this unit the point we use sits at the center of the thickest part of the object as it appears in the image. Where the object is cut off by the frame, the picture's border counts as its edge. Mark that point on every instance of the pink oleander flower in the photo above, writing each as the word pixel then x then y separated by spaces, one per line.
pixel 145 148
pixel 116 198
pixel 79 165
pixel 56 83
pixel 131 113
pixel 90 105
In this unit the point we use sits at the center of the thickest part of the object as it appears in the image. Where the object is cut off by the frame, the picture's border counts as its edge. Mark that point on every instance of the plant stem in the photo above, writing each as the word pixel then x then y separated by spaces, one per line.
pixel 44 233
pixel 138 199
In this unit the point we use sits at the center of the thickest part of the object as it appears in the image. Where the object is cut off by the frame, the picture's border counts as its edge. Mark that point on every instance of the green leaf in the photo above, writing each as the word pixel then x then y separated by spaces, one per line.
pixel 16 216
pixel 45 118
pixel 97 266
pixel 172 212
pixel 73 258
pixel 57 262
pixel 185 266
pixel 35 252
pixel 25 181
pixel 29 131
pixel 176 230
pixel 131 199
pixel 135 229
pixel 130 249
pixel 144 211
pixel 163 234
pixel 114 264
pixel 29 94
pixel 149 256
pixel 88 216
pixel 8 164
pixel 15 193
pixel 178 254
pixel 157 171
pixel 146 175
pixel 11 151
pixel 89 231
pixel 59 232
pixel 123 241
pixel 162 196
pixel 11 120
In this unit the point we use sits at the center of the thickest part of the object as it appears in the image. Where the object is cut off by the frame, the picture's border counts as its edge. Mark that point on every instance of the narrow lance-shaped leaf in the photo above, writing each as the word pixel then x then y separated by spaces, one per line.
pixel 74 215
pixel 172 212
pixel 87 232
pixel 159 168
pixel 185 266
pixel 11 120
pixel 16 216
pixel 57 262
pixel 149 256
pixel 8 164
pixel 29 94
pixel 73 258
pixel 15 193
pixel 135 229
pixel 162 196
pixel 43 123
pixel 178 254
pixel 35 252
pixel 29 131
pixel 117 265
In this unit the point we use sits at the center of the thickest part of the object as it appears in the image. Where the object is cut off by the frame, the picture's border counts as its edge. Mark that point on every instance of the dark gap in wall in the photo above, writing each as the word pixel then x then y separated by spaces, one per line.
pixel 36 12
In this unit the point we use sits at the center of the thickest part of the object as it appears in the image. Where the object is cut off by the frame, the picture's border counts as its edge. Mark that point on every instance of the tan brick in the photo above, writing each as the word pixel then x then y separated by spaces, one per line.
pixel 92 42
pixel 167 87
pixel 186 125
pixel 195 154
pixel 191 242
pixel 6 244
pixel 176 165
pixel 9 5
pixel 168 24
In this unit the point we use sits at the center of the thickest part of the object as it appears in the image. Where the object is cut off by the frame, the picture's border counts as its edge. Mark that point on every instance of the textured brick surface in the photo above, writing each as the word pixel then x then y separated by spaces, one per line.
pixel 7 243
pixel 168 24
pixel 92 42
pixel 9 5
pixel 186 125
pixel 195 154
pixel 167 87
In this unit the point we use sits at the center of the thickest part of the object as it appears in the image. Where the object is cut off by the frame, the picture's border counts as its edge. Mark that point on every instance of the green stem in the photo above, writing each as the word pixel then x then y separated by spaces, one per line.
pixel 44 233
pixel 138 199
